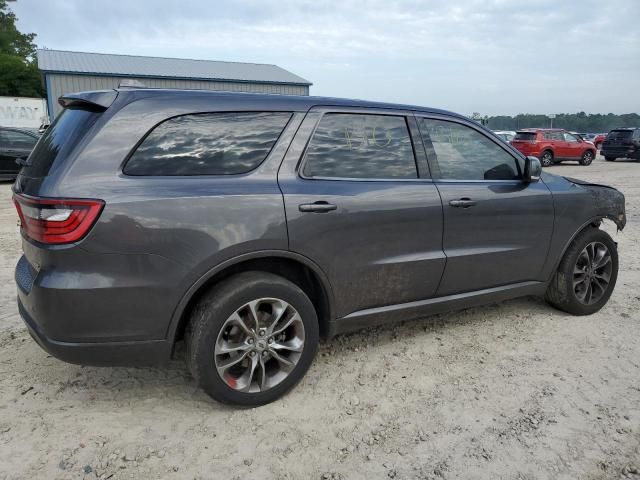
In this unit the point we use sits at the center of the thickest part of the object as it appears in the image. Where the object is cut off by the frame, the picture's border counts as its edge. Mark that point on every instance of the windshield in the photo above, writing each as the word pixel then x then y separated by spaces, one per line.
pixel 58 141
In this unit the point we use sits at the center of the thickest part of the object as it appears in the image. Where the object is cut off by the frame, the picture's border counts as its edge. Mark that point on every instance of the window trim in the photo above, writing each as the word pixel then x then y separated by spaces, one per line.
pixel 362 111
pixel 432 156
pixel 133 150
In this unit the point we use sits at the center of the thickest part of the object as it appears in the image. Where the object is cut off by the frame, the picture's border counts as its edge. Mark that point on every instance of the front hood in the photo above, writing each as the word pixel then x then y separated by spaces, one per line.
pixel 577 181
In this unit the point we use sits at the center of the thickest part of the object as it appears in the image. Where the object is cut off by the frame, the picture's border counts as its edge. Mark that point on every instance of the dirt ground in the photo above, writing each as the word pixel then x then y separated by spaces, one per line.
pixel 512 391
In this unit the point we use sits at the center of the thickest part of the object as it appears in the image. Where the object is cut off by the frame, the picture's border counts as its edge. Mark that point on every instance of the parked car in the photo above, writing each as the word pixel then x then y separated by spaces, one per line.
pixel 250 225
pixel 15 145
pixel 622 143
pixel 554 146
pixel 505 135
pixel 598 139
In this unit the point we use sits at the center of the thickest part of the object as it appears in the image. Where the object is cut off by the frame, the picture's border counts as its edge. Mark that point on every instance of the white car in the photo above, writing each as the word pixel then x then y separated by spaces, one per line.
pixel 506 135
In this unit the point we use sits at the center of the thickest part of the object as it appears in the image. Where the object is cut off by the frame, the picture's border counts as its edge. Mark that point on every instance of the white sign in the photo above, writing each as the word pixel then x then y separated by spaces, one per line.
pixel 22 112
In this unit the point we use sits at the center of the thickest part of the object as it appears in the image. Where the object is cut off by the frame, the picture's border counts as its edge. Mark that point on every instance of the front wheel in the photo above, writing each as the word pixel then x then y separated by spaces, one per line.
pixel 547 158
pixel 587 158
pixel 586 275
pixel 251 339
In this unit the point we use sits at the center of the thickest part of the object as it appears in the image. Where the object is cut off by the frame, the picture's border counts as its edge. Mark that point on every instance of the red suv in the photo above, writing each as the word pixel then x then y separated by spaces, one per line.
pixel 552 145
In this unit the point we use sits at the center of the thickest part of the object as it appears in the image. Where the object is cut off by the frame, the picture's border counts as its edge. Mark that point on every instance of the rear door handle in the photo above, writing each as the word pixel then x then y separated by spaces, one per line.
pixel 463 202
pixel 317 207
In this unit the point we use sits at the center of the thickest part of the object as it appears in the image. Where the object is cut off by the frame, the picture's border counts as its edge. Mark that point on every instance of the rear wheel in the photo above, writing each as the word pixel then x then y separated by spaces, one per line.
pixel 587 158
pixel 609 159
pixel 547 158
pixel 586 275
pixel 252 339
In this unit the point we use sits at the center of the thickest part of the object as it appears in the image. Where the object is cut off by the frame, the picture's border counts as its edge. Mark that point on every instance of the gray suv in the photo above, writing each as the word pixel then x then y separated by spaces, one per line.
pixel 250 226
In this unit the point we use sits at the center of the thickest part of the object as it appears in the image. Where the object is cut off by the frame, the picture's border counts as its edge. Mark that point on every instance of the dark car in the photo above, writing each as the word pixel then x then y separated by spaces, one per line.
pixel 15 145
pixel 621 143
pixel 251 225
pixel 554 146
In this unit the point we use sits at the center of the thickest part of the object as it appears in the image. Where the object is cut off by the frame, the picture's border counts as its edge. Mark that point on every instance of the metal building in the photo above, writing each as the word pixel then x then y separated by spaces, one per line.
pixel 66 72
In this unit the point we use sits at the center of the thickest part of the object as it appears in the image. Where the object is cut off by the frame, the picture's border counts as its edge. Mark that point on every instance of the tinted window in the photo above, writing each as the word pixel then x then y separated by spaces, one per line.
pixel 208 144
pixel 525 136
pixel 67 130
pixel 620 135
pixel 347 145
pixel 465 154
pixel 17 140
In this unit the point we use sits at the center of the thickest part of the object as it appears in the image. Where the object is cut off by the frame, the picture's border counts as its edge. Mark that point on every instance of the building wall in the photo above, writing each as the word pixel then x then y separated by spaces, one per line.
pixel 60 84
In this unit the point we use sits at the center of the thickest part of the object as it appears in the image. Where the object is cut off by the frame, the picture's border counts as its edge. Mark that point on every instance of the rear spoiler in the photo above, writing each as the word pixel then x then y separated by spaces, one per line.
pixel 98 100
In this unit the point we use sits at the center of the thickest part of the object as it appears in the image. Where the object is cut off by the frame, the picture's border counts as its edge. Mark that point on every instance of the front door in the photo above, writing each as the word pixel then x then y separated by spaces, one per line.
pixel 497 228
pixel 358 207
pixel 573 146
pixel 14 145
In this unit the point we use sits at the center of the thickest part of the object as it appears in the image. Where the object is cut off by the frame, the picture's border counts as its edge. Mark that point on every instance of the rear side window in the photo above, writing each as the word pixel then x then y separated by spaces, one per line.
pixel 208 144
pixel 64 134
pixel 362 146
pixel 526 136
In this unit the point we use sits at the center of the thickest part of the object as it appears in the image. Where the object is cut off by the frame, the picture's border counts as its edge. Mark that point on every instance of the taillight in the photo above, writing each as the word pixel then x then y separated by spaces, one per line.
pixel 56 220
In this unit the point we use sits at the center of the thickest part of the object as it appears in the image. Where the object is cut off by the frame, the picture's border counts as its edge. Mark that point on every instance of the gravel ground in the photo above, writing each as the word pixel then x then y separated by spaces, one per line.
pixel 515 390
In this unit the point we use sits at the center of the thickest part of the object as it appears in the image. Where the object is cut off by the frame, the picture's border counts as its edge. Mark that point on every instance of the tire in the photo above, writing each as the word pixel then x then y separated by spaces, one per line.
pixel 214 325
pixel 564 294
pixel 546 159
pixel 610 159
pixel 587 158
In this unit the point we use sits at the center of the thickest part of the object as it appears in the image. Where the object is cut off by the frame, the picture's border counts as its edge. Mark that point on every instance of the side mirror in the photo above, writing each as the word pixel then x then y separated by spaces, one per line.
pixel 532 169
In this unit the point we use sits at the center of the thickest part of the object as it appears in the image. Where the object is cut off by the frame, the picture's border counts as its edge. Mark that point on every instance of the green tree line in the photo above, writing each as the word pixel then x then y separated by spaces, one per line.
pixel 575 122
pixel 19 75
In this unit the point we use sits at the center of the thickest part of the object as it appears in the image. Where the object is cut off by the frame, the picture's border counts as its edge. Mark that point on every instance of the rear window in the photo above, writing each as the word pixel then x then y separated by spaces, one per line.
pixel 526 136
pixel 208 144
pixel 66 131
pixel 620 135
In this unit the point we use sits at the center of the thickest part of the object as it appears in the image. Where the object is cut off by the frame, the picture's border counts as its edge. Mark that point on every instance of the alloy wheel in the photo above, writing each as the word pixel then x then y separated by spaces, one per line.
pixel 546 159
pixel 592 273
pixel 587 158
pixel 259 345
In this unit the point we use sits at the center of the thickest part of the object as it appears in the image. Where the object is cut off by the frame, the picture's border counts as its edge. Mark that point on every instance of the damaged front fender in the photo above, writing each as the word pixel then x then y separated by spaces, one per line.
pixel 607 202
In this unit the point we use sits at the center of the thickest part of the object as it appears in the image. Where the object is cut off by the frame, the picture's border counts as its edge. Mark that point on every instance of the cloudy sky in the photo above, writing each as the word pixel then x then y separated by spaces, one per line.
pixel 488 56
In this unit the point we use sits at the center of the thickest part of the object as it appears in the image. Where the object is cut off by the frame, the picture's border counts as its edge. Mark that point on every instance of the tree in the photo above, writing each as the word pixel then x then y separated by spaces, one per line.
pixel 19 75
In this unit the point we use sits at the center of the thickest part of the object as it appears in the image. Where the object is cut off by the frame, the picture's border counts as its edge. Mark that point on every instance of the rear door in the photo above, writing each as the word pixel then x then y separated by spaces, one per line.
pixel 497 228
pixel 358 205
pixel 14 145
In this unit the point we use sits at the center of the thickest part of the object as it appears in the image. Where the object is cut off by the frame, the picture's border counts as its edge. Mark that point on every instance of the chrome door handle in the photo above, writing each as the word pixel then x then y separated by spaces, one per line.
pixel 317 207
pixel 463 202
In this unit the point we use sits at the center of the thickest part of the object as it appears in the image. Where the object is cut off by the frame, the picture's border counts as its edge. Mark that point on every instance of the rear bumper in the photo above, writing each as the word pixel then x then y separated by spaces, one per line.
pixel 620 152
pixel 139 353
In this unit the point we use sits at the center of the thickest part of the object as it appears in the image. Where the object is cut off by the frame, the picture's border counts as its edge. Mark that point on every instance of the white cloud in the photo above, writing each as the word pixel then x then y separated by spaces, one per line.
pixel 490 56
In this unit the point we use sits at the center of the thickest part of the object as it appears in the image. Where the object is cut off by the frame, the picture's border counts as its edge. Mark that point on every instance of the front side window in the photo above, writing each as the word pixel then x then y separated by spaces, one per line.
pixel 362 146
pixel 17 140
pixel 465 154
pixel 208 144
pixel 570 138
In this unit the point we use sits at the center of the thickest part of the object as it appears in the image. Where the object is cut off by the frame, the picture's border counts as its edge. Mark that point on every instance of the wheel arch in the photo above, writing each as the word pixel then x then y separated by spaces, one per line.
pixel 294 267
pixel 594 222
